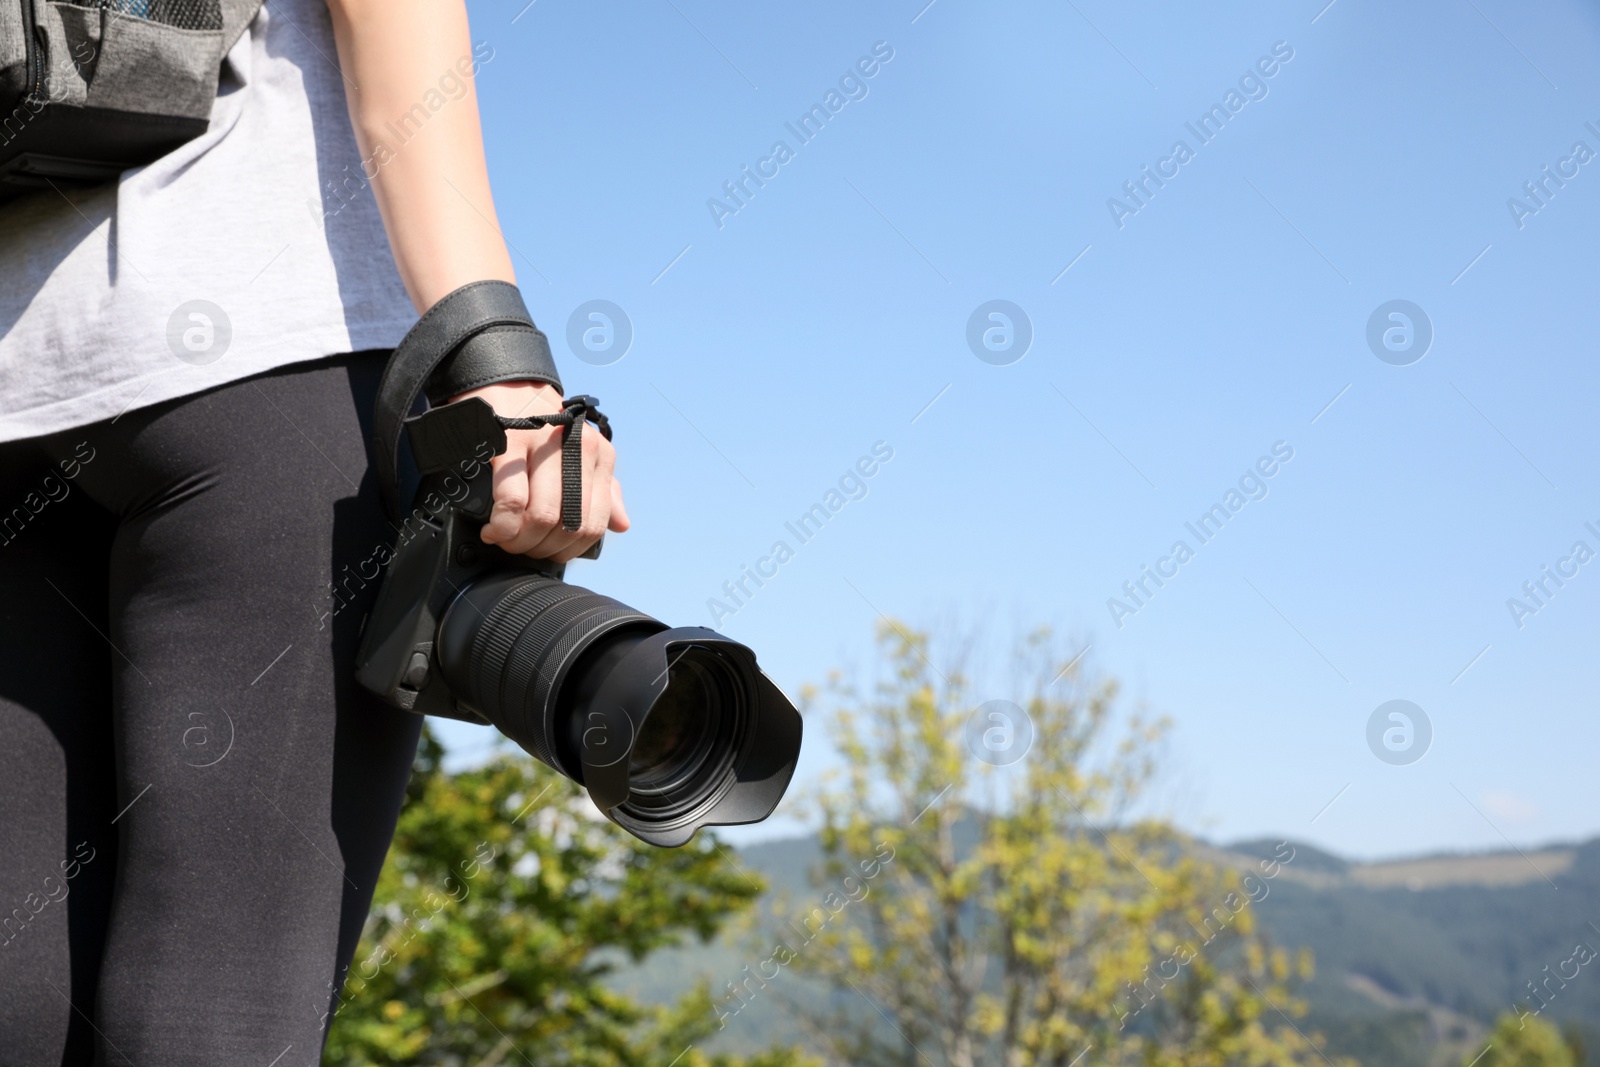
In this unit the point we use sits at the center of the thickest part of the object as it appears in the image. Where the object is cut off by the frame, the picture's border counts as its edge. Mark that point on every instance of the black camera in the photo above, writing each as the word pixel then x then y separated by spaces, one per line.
pixel 668 729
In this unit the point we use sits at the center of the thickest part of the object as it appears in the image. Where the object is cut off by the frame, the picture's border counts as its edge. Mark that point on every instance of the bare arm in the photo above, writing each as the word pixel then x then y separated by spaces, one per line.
pixel 433 189
pixel 433 193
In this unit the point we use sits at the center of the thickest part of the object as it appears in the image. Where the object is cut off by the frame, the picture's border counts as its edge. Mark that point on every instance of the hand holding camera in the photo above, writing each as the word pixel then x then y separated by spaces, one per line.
pixel 526 519
pixel 669 729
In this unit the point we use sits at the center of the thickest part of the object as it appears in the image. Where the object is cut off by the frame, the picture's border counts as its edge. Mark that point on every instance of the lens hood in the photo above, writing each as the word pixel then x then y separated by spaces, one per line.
pixel 744 786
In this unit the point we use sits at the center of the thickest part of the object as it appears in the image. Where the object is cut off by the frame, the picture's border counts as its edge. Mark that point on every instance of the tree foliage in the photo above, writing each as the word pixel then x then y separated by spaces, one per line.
pixel 1526 1041
pixel 505 903
pixel 1046 926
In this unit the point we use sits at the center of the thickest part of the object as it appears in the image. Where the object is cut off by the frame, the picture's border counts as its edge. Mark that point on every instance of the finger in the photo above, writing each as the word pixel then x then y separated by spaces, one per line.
pixel 541 520
pixel 562 544
pixel 596 506
pixel 554 545
pixel 510 482
pixel 597 493
pixel 619 514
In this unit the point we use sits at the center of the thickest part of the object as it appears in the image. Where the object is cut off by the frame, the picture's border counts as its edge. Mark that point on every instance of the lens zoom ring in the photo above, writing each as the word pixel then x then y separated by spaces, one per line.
pixel 536 659
pixel 500 631
pixel 518 650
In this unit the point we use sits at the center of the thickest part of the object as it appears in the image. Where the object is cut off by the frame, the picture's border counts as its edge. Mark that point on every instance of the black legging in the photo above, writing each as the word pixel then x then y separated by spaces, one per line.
pixel 195 796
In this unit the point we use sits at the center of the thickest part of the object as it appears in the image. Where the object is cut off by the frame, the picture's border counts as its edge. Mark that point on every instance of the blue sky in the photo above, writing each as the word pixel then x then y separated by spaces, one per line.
pixel 1227 314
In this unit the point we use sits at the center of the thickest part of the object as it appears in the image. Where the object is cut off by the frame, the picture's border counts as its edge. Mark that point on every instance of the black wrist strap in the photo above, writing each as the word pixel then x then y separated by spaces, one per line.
pixel 451 322
pixel 574 412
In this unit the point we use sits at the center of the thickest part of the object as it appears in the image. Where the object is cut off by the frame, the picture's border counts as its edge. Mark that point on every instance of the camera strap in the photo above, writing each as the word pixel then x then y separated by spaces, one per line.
pixel 454 320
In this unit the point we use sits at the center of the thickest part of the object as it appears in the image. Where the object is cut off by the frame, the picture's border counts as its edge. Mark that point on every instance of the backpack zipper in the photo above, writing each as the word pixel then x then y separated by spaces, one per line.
pixel 35 53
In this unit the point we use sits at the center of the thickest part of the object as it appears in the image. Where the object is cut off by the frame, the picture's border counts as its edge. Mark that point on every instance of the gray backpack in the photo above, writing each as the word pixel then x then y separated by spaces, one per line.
pixel 90 88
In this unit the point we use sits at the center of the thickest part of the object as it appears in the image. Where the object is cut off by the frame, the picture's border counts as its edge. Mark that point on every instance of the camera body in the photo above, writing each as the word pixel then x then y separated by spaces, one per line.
pixel 437 552
pixel 668 729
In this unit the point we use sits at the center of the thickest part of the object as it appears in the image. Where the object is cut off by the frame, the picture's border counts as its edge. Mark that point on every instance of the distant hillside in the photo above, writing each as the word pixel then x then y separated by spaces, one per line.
pixel 1422 953
pixel 1415 958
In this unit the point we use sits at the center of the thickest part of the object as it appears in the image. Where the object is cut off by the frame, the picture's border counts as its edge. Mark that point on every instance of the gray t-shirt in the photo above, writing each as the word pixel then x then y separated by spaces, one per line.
pixel 254 246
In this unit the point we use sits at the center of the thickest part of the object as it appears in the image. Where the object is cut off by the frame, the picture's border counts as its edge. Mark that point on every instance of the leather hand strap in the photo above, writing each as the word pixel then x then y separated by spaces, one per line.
pixel 498 354
pixel 454 320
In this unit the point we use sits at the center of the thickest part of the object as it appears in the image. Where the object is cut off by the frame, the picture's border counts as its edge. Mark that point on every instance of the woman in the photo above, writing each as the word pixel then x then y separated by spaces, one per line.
pixel 195 797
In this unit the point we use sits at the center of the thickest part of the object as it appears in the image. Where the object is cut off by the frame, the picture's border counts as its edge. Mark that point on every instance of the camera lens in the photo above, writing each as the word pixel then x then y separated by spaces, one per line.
pixel 690 740
pixel 669 730
pixel 508 643
pixel 675 737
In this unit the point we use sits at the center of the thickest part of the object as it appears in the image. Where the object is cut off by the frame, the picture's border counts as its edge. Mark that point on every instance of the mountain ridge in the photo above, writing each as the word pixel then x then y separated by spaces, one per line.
pixel 1415 956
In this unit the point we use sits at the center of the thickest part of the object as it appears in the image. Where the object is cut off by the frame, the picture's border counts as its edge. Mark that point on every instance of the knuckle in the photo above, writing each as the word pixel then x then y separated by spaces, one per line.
pixel 544 514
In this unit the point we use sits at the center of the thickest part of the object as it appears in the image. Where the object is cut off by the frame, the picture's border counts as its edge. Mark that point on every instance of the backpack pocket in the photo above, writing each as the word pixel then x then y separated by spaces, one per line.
pixel 101 86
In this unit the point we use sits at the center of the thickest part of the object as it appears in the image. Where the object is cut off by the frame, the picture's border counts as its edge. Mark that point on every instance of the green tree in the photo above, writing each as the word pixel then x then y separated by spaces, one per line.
pixel 505 903
pixel 1526 1041
pixel 1045 926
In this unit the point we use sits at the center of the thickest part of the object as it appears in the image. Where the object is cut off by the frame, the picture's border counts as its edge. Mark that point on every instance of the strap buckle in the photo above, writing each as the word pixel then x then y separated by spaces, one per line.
pixel 584 406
